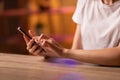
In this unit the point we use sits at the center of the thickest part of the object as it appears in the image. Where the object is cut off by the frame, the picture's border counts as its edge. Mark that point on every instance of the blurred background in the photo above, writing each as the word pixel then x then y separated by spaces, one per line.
pixel 51 17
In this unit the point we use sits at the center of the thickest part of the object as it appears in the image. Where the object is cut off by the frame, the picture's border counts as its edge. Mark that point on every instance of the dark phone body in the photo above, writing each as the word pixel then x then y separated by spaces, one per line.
pixel 24 33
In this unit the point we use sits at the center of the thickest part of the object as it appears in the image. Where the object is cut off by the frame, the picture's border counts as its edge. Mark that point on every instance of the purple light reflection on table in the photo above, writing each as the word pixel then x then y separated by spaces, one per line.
pixel 64 61
pixel 68 63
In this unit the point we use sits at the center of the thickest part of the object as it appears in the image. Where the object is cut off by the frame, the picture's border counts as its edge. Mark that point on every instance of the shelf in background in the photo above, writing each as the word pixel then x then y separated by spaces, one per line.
pixel 20 12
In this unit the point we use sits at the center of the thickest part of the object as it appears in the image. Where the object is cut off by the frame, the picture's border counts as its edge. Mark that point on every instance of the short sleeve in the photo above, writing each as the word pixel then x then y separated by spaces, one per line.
pixel 79 12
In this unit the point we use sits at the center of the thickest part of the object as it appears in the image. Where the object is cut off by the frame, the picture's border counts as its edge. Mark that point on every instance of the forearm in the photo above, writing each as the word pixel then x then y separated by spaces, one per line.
pixel 77 43
pixel 110 56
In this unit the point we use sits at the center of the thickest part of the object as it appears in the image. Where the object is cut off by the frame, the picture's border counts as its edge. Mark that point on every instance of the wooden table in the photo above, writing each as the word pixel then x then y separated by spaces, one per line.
pixel 23 67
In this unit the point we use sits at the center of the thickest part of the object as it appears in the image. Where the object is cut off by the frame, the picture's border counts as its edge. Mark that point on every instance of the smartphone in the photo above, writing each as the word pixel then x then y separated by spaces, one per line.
pixel 24 33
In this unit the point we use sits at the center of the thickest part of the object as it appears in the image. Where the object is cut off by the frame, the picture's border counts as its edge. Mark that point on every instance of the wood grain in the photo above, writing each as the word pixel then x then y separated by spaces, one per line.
pixel 21 67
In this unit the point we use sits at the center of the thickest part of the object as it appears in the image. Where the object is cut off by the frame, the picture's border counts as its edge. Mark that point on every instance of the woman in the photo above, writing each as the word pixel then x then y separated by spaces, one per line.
pixel 97 37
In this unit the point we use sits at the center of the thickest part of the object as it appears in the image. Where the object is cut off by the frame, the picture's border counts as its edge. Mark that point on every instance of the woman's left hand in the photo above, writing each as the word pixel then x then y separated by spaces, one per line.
pixel 52 48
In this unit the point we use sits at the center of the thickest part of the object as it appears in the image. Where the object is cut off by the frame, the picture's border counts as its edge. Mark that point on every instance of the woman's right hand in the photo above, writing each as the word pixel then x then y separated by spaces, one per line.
pixel 32 45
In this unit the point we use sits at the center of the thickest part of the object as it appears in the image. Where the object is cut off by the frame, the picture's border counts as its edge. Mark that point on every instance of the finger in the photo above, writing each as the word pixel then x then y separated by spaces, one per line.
pixel 32 34
pixel 42 36
pixel 33 49
pixel 36 39
pixel 48 43
pixel 26 39
pixel 57 44
pixel 30 44
pixel 51 42
pixel 39 52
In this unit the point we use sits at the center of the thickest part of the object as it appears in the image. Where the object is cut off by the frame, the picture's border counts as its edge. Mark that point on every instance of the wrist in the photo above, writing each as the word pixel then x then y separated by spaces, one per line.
pixel 66 53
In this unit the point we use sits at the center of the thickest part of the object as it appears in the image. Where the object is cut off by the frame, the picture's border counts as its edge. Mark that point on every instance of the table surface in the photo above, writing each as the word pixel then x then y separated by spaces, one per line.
pixel 24 67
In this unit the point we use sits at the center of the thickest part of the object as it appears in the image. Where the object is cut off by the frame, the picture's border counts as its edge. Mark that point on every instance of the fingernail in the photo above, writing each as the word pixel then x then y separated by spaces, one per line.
pixel 41 40
pixel 29 31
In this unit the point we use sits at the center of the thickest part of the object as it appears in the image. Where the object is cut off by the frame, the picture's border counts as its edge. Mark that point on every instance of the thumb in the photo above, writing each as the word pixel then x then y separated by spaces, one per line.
pixel 50 44
pixel 26 39
pixel 51 47
pixel 32 34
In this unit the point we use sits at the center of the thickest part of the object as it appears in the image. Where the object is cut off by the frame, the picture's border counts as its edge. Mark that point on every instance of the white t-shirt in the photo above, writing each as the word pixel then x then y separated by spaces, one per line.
pixel 100 23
